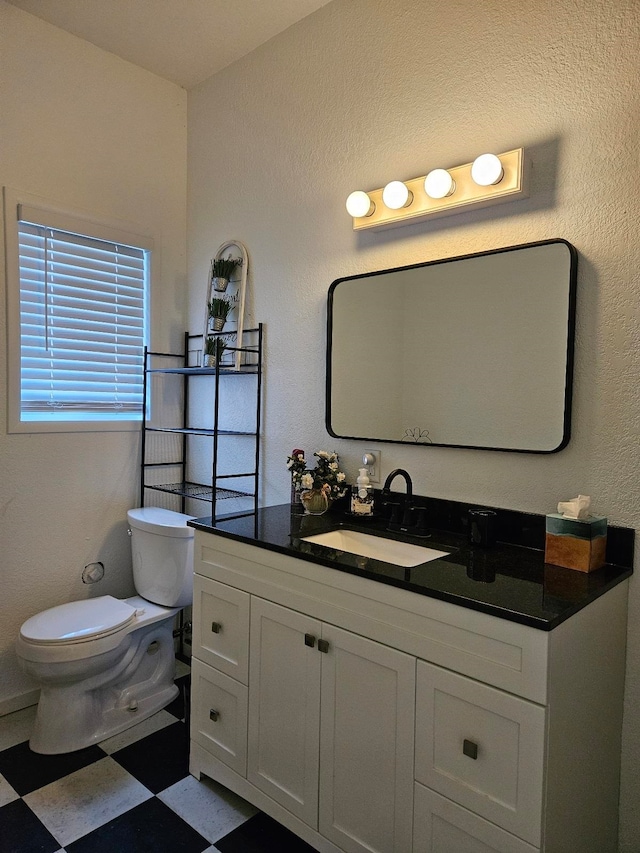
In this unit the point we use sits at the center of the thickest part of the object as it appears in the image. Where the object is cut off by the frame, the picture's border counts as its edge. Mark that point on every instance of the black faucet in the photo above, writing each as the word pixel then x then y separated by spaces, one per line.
pixel 398 472
pixel 402 514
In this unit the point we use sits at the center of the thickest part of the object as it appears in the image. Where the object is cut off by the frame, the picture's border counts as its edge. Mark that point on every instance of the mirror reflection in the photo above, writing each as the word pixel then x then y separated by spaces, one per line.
pixel 475 351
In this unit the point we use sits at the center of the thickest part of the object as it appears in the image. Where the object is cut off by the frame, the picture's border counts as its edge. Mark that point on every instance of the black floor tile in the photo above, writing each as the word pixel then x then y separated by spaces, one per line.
pixel 180 705
pixel 27 771
pixel 261 834
pixel 158 760
pixel 150 827
pixel 22 832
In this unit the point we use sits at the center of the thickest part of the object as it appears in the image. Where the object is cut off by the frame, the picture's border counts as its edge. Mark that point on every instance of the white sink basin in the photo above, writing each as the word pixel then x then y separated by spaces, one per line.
pixel 376 547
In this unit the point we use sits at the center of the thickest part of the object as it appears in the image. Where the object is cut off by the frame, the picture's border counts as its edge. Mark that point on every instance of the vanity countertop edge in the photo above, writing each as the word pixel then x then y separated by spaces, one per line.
pixel 506 581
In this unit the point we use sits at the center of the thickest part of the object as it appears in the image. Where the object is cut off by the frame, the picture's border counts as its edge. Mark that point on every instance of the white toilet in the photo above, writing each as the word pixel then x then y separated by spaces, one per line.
pixel 104 664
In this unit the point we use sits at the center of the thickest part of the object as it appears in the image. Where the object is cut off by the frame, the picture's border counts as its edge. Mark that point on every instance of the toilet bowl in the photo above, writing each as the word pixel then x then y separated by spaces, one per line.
pixel 104 664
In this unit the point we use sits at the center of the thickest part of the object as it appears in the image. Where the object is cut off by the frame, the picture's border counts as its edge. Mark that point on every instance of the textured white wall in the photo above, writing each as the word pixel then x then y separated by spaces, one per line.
pixel 364 91
pixel 84 129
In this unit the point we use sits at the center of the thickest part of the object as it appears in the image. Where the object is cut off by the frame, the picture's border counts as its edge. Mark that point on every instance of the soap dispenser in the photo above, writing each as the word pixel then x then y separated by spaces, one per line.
pixel 362 495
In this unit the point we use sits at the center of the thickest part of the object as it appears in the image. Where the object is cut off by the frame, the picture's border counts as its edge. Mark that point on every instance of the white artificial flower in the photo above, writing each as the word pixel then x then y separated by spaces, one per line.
pixel 340 476
pixel 306 481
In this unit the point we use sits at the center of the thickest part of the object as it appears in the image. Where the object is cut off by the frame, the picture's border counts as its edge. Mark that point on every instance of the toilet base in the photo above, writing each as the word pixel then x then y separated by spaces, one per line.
pixel 138 683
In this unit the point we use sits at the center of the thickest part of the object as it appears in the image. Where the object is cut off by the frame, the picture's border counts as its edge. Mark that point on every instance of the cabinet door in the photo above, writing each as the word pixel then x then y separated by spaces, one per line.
pixel 366 757
pixel 441 826
pixel 284 707
pixel 219 715
pixel 482 748
pixel 221 627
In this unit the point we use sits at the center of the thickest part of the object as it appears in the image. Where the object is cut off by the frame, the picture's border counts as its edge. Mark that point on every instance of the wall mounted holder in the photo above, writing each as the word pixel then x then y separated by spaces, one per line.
pixel 464 188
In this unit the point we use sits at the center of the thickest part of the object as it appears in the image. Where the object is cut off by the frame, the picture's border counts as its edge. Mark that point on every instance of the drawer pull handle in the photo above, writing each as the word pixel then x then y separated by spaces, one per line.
pixel 309 640
pixel 323 646
pixel 216 627
pixel 470 749
pixel 214 715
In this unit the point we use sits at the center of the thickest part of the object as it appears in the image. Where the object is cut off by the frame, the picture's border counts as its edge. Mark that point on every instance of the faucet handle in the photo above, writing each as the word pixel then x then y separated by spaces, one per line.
pixel 422 528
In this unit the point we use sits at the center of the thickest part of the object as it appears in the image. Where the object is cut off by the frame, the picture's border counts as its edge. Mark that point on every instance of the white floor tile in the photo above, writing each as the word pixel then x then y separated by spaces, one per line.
pixel 210 809
pixel 152 724
pixel 7 794
pixel 79 803
pixel 17 727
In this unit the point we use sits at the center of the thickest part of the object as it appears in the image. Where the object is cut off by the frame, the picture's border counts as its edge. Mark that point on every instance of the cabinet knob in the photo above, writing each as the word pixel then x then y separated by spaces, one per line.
pixel 216 627
pixel 309 640
pixel 470 749
pixel 213 715
pixel 323 646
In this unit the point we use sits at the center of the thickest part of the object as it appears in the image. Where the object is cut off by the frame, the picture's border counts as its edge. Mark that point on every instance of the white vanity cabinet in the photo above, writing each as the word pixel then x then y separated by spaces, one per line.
pixel 331 720
pixel 366 717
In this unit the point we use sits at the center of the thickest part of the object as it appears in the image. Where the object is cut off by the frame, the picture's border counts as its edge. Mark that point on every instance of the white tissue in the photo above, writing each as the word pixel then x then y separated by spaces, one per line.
pixel 576 508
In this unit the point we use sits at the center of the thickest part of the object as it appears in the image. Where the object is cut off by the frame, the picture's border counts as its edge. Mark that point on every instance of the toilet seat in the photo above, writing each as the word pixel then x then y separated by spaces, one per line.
pixel 140 612
pixel 78 621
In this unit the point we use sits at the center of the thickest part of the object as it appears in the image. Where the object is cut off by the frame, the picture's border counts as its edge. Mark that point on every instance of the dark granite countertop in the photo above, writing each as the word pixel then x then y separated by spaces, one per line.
pixel 508 580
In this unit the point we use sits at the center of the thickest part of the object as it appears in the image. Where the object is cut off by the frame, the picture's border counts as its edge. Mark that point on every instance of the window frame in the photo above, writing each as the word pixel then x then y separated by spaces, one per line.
pixel 74 221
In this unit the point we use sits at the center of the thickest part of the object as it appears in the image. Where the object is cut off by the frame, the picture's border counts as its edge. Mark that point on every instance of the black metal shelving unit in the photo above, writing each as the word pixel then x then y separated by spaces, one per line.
pixel 220 486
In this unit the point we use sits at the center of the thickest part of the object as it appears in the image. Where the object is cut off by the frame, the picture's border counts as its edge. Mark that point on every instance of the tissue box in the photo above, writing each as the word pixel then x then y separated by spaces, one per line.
pixel 576 543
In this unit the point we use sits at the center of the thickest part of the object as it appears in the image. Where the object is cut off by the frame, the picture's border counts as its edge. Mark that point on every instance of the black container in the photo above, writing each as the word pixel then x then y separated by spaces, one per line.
pixel 482 527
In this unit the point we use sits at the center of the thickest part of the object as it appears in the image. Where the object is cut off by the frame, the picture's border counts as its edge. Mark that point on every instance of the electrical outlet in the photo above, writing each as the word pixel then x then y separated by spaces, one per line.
pixel 371 461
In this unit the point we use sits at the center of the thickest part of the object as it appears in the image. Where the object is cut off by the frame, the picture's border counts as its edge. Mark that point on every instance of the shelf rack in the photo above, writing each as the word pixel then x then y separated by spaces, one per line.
pixel 247 359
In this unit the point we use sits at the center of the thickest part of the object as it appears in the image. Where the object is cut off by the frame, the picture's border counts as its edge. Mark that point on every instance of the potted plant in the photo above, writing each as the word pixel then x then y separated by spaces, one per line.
pixel 221 271
pixel 219 309
pixel 214 348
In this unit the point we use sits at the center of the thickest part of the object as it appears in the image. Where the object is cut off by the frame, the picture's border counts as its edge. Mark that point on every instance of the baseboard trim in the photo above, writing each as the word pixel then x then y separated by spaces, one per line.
pixel 17 703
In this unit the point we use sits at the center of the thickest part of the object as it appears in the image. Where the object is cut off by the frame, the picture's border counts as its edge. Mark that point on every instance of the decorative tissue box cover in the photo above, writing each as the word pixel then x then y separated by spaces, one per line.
pixel 576 543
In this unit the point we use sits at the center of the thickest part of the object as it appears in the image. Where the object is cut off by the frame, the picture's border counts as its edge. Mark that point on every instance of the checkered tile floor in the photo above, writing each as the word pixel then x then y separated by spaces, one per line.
pixel 130 794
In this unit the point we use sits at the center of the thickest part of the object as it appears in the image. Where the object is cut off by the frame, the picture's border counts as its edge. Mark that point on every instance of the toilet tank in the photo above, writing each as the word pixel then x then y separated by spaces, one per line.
pixel 162 553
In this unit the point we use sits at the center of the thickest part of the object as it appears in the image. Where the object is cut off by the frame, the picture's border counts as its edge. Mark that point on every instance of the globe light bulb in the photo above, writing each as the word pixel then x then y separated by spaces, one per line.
pixel 359 204
pixel 396 195
pixel 439 184
pixel 487 170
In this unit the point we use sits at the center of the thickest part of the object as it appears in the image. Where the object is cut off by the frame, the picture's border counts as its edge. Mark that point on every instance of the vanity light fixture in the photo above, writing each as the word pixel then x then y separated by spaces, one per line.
pixel 396 195
pixel 359 205
pixel 490 179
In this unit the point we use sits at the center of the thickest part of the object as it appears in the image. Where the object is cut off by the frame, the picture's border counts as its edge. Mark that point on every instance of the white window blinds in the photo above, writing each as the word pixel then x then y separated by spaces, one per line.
pixel 83 323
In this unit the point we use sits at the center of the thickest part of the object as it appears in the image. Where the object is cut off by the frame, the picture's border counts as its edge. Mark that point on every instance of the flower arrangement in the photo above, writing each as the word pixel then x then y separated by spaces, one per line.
pixel 325 477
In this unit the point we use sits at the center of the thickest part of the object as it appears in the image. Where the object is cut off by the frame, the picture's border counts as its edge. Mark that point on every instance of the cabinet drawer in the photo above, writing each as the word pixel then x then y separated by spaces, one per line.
pixel 481 748
pixel 221 627
pixel 441 826
pixel 219 715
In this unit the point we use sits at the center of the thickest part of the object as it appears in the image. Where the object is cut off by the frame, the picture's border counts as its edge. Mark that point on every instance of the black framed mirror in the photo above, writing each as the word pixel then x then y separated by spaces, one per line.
pixel 473 351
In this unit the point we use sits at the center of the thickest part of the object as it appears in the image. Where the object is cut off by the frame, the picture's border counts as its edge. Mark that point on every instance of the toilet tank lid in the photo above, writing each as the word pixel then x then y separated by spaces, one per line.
pixel 78 620
pixel 155 519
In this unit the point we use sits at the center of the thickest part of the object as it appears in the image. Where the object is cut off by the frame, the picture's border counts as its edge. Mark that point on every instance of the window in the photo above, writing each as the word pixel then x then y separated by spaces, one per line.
pixel 83 309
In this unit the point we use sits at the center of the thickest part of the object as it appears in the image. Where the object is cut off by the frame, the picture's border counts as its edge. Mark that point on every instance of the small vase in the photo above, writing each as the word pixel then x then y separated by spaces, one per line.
pixel 218 323
pixel 315 501
pixel 219 283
